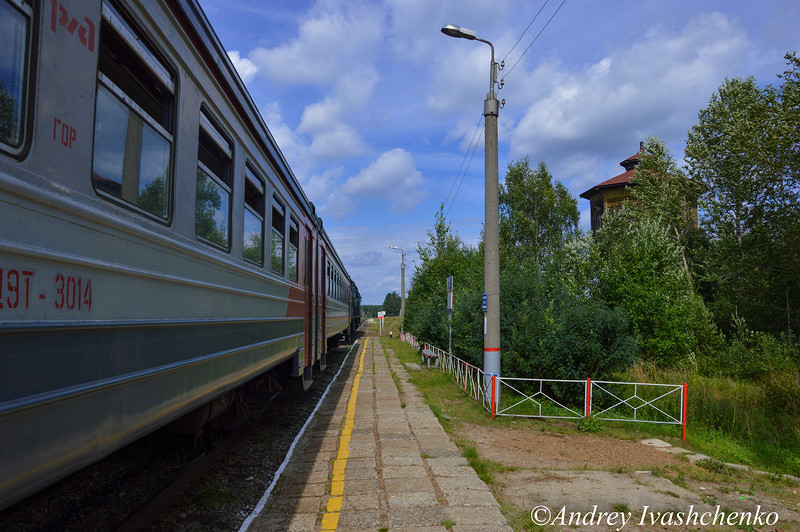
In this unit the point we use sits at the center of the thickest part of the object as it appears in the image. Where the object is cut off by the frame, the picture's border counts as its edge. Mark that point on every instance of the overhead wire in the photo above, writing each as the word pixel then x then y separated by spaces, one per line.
pixel 526 29
pixel 475 147
pixel 456 179
pixel 463 160
pixel 534 40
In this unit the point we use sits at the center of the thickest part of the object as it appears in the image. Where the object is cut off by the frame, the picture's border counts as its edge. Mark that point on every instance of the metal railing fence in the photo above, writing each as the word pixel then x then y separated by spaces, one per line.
pixel 635 402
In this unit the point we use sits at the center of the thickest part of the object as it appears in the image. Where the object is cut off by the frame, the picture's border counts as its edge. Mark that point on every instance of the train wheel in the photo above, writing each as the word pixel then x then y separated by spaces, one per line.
pixel 211 437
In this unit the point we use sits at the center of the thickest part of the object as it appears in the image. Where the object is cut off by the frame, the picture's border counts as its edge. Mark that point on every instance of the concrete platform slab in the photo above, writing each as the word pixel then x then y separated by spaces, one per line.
pixel 397 471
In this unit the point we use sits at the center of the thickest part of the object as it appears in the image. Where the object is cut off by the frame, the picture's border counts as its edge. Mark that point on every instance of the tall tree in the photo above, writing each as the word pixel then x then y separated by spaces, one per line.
pixel 391 303
pixel 537 214
pixel 744 151
pixel 665 195
pixel 442 255
pixel 725 152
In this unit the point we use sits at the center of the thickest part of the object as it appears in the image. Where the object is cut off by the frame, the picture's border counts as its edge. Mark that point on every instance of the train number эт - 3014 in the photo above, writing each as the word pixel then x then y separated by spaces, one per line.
pixel 67 292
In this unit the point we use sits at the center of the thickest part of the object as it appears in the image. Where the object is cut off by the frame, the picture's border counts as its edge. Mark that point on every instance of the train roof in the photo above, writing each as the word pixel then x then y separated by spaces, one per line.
pixel 194 22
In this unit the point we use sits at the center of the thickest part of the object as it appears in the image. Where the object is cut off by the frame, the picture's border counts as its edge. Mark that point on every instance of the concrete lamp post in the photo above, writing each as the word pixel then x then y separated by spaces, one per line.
pixel 402 287
pixel 491 257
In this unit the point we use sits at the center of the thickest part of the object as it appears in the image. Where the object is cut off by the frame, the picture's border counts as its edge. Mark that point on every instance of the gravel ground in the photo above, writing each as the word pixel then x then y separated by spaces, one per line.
pixel 223 498
pixel 99 497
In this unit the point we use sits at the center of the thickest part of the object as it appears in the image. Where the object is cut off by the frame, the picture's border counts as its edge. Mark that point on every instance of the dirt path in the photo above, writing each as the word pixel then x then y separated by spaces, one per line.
pixel 656 489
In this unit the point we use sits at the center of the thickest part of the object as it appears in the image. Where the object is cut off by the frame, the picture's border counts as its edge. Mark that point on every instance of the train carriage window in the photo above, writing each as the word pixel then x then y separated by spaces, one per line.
pixel 212 203
pixel 253 217
pixel 294 243
pixel 15 20
pixel 133 131
pixel 278 231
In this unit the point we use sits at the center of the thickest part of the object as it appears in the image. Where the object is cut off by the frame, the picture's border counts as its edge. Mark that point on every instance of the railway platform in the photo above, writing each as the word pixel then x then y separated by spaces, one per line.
pixel 375 459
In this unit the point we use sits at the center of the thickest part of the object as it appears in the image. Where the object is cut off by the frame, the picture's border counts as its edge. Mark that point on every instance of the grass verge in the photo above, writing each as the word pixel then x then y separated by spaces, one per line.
pixel 453 408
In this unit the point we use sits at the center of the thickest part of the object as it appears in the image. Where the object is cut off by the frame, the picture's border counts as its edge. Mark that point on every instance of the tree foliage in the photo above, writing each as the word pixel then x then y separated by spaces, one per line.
pixel 663 194
pixel 442 255
pixel 545 329
pixel 638 267
pixel 724 152
pixel 9 119
pixel 391 303
pixel 551 333
pixel 537 215
pixel 744 152
pixel 207 204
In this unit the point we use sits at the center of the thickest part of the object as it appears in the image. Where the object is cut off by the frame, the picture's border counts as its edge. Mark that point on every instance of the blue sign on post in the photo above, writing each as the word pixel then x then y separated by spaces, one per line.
pixel 485 302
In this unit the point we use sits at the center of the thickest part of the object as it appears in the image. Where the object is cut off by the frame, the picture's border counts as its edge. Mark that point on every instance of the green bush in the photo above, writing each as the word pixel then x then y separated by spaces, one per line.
pixel 545 331
pixel 550 333
pixel 753 355
pixel 638 267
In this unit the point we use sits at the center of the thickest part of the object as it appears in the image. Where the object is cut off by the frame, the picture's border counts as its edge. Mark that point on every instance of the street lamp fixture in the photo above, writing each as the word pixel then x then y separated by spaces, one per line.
pixel 491 256
pixel 402 287
pixel 451 30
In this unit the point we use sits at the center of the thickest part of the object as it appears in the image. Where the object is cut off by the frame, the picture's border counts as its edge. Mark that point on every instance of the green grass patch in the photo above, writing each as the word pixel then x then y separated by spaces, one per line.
pixel 215 496
pixel 589 424
pixel 754 423
pixel 484 468
pixel 725 417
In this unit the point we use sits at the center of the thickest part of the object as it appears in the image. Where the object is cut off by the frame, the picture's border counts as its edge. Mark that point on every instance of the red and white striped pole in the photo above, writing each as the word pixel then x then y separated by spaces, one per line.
pixel 494 387
pixel 685 389
pixel 588 408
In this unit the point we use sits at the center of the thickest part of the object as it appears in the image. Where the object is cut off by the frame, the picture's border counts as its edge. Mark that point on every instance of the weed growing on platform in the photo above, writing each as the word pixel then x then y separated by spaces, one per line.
pixel 215 496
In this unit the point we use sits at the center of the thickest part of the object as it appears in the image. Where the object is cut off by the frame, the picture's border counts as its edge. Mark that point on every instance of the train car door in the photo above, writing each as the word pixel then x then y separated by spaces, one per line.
pixel 324 275
pixel 309 290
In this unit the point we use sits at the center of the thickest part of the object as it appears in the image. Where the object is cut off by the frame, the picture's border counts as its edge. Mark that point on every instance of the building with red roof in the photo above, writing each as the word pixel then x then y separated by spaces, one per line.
pixel 609 195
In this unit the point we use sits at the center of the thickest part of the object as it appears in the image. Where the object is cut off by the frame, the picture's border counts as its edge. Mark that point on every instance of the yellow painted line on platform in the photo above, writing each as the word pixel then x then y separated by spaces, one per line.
pixel 331 518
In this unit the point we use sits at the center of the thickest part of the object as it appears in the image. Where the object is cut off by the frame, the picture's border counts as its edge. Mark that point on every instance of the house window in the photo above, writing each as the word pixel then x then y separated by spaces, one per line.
pixel 15 21
pixel 253 217
pixel 212 202
pixel 133 133
pixel 278 231
pixel 293 246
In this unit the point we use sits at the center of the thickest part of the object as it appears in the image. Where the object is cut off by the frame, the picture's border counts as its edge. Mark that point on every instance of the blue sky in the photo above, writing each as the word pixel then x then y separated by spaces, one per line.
pixel 375 109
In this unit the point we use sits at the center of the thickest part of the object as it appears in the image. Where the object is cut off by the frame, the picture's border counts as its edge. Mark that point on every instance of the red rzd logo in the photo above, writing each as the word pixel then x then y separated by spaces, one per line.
pixel 85 30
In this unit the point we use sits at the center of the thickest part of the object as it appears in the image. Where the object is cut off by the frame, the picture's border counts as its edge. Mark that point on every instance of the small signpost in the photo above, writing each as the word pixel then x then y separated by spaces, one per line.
pixel 381 314
pixel 450 312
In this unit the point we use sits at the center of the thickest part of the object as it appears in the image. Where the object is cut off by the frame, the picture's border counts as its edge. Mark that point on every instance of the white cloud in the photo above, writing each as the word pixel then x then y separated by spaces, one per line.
pixel 246 68
pixel 652 87
pixel 338 142
pixel 460 79
pixel 393 175
pixel 331 39
pixel 326 121
pixel 374 267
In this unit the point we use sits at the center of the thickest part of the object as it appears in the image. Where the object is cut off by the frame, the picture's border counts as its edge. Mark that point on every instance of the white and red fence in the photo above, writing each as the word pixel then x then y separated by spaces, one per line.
pixel 636 402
